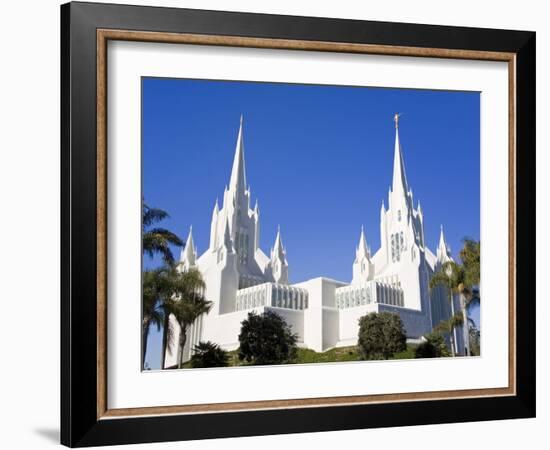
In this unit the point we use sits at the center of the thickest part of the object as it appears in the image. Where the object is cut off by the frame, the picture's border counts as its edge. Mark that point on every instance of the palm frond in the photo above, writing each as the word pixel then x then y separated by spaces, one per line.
pixel 158 241
pixel 153 215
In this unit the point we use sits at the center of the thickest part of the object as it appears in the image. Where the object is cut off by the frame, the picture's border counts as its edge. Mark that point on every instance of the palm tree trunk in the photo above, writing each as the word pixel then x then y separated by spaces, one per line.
pixel 165 326
pixel 453 328
pixel 452 337
pixel 183 337
pixel 144 336
pixel 465 325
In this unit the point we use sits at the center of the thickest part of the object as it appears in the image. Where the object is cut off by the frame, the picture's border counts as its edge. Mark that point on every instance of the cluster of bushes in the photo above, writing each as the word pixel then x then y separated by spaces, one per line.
pixel 267 339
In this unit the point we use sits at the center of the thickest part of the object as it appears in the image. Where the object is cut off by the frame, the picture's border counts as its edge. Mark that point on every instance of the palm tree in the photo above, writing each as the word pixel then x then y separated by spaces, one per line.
pixel 450 275
pixel 187 304
pixel 152 313
pixel 157 240
pixel 447 327
pixel 470 257
pixel 461 279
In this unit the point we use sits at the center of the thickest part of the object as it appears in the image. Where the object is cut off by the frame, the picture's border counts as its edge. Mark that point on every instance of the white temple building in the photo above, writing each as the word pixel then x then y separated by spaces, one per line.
pixel 324 312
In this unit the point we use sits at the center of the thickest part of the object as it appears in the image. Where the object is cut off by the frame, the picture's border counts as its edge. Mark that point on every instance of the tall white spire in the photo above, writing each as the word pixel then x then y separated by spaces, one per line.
pixel 237 182
pixel 399 182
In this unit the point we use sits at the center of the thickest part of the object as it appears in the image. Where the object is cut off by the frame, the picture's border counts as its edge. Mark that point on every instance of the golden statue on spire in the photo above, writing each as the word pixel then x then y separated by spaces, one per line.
pixel 396 119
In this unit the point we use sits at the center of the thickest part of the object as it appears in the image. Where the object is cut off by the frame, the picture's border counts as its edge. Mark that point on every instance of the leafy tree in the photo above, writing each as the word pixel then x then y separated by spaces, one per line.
pixel 381 335
pixel 208 354
pixel 470 257
pixel 433 347
pixel 475 345
pixel 186 303
pixel 266 339
pixel 157 239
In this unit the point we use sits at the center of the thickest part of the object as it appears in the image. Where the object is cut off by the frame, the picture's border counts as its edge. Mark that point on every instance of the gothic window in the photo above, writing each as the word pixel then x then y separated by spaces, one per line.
pixel 241 244
pixel 399 215
pixel 396 244
pixel 401 242
pixel 363 267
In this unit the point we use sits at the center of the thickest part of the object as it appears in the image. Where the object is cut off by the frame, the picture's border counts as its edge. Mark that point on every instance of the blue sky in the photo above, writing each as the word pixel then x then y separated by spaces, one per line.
pixel 318 159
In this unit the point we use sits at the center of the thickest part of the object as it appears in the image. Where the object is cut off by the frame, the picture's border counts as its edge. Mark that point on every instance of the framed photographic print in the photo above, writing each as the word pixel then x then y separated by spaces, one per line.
pixel 276 224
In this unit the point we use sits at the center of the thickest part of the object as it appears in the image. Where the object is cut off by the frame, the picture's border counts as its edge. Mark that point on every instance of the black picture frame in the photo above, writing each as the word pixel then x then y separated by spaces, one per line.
pixel 80 425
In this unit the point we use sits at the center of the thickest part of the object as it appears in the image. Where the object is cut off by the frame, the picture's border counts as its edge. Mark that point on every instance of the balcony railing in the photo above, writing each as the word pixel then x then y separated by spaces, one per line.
pixel 271 294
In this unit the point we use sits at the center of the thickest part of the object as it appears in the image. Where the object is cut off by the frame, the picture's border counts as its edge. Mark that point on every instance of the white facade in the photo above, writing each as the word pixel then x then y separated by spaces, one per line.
pixel 324 313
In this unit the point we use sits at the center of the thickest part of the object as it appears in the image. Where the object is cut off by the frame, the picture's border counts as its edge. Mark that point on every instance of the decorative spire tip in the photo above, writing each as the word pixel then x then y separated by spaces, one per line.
pixel 396 119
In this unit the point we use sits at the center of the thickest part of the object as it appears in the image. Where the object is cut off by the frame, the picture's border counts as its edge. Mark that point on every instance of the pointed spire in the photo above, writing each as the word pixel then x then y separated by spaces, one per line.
pixel 399 177
pixel 189 253
pixel 216 209
pixel 443 250
pixel 227 241
pixel 362 248
pixel 278 249
pixel 237 182
pixel 256 208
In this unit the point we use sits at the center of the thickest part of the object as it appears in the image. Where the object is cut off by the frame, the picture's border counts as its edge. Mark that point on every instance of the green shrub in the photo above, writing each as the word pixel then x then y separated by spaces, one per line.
pixel 266 339
pixel 381 335
pixel 208 354
pixel 433 347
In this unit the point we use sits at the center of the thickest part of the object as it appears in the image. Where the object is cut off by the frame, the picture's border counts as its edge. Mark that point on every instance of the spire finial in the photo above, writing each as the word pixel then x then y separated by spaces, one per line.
pixel 241 119
pixel 396 117
pixel 399 182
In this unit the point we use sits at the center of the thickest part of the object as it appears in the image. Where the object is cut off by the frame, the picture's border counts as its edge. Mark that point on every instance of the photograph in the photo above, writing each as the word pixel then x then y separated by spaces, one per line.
pixel 272 223
pixel 299 223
